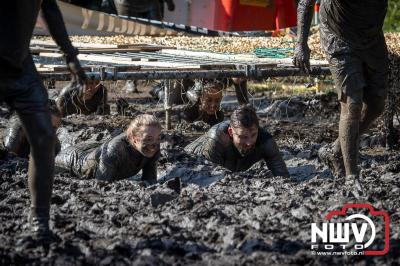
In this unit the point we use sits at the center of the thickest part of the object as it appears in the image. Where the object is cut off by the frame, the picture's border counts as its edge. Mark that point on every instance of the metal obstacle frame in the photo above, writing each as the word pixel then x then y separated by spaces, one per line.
pixel 251 72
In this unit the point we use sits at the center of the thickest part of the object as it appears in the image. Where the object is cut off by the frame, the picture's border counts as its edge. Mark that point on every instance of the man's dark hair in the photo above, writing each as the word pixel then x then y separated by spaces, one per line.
pixel 245 116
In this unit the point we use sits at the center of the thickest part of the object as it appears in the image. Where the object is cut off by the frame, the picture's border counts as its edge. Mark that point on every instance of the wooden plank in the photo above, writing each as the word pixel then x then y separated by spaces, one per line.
pixel 52 55
pixel 57 68
pixel 144 46
pixel 129 49
pixel 210 55
pixel 76 44
pixel 38 50
pixel 148 59
pixel 239 58
pixel 111 59
pixel 141 46
pixel 108 50
pixel 128 59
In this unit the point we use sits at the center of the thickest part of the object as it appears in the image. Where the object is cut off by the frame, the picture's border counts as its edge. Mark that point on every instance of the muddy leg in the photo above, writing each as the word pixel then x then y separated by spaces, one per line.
pixel 373 107
pixel 41 137
pixel 349 134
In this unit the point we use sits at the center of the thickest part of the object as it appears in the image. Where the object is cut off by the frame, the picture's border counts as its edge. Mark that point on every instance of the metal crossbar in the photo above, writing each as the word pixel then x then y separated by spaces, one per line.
pixel 161 65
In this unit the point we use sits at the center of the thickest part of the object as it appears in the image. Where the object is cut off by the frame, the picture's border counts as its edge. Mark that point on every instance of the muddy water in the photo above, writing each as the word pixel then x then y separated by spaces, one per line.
pixel 216 217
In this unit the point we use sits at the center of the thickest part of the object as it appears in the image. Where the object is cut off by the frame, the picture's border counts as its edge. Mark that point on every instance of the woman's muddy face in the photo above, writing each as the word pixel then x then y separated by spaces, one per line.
pixel 92 86
pixel 147 140
pixel 211 100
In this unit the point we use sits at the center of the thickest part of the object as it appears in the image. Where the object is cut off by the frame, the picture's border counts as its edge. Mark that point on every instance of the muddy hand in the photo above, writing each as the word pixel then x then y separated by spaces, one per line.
pixel 265 173
pixel 301 57
pixel 78 74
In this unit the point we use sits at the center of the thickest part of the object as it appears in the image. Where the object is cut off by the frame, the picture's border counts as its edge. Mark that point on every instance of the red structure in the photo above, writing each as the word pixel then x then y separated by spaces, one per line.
pixel 254 15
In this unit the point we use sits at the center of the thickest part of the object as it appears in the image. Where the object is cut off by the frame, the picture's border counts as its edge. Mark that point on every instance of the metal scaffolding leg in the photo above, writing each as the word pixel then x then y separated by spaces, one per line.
pixel 167 104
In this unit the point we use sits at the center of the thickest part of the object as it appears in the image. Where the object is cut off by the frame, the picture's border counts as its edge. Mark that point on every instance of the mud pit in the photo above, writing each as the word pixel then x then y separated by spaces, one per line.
pixel 217 217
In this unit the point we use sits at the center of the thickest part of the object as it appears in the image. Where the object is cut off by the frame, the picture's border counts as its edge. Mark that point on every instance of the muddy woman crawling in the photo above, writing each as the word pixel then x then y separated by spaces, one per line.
pixel 123 156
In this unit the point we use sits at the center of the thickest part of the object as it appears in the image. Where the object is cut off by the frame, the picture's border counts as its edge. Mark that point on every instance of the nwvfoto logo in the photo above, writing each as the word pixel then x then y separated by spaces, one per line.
pixel 337 234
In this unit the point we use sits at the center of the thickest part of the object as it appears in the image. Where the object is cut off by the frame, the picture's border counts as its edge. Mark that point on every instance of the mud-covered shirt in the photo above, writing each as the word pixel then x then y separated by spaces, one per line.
pixel 16 141
pixel 113 160
pixel 359 22
pixel 217 146
pixel 71 102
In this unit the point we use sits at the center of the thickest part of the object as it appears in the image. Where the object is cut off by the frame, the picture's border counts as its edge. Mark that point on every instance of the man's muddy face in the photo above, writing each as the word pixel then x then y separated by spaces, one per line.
pixel 92 86
pixel 147 141
pixel 210 101
pixel 244 139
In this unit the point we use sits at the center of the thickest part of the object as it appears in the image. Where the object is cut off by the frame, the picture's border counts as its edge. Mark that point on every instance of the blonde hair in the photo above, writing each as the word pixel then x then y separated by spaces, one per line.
pixel 140 121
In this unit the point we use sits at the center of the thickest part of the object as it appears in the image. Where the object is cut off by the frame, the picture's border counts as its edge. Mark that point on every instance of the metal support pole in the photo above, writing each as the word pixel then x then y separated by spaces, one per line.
pixel 248 72
pixel 167 104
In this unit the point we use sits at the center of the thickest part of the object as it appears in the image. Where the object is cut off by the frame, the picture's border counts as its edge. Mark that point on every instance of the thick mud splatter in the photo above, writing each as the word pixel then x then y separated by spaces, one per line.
pixel 211 217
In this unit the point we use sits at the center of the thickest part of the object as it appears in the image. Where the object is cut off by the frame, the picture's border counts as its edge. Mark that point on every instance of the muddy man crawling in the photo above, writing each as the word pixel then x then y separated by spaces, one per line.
pixel 239 143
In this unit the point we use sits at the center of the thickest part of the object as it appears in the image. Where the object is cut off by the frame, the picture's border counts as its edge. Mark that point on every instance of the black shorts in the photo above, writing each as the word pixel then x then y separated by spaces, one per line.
pixel 25 94
pixel 357 73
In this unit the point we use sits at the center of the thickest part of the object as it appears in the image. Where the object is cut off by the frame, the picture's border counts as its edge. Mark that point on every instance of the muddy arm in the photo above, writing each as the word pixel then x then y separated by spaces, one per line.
pixel 302 51
pixel 149 171
pixel 213 151
pixel 108 165
pixel 274 159
pixel 56 26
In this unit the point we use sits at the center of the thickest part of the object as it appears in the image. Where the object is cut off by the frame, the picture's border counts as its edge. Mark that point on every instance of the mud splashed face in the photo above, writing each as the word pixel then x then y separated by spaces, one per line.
pixel 92 86
pixel 211 100
pixel 244 139
pixel 147 141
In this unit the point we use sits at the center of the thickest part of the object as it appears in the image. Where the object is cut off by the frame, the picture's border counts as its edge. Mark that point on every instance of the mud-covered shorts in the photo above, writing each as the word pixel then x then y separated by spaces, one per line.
pixel 25 94
pixel 357 72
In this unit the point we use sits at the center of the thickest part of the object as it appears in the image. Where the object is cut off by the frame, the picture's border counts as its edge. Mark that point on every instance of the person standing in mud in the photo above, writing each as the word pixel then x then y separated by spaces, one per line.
pixel 22 89
pixel 121 157
pixel 73 99
pixel 353 41
pixel 16 142
pixel 239 143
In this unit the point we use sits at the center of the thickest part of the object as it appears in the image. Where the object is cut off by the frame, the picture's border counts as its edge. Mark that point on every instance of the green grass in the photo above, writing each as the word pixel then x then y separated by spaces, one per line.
pixel 392 20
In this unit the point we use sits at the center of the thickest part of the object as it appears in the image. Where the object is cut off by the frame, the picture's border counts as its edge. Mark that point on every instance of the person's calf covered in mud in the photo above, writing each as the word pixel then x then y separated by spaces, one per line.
pixel 239 143
pixel 121 157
